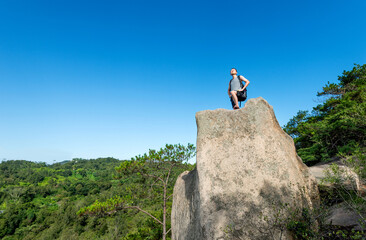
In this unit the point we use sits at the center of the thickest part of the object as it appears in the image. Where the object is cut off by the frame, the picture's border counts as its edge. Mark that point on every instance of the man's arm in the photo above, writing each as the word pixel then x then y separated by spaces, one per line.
pixel 246 82
pixel 228 91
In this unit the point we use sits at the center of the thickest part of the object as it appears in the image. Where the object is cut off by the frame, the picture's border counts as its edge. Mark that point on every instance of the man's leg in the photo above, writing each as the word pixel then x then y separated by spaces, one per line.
pixel 232 102
pixel 235 98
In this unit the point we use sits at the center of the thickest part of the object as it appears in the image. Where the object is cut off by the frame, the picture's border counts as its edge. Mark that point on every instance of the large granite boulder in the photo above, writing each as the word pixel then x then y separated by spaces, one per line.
pixel 247 172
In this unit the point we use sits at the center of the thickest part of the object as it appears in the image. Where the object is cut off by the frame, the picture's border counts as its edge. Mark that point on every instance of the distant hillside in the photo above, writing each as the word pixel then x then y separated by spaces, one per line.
pixel 40 201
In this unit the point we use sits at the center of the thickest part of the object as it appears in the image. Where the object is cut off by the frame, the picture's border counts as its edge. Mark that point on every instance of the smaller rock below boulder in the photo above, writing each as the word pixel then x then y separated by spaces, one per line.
pixel 351 180
pixel 340 215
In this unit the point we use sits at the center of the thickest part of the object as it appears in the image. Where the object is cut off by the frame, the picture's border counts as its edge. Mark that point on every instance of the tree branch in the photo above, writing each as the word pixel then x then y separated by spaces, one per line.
pixel 170 170
pixel 154 183
pixel 153 176
pixel 138 208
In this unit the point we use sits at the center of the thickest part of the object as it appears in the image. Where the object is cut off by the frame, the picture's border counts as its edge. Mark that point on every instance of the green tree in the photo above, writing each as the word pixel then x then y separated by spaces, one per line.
pixel 159 169
pixel 336 125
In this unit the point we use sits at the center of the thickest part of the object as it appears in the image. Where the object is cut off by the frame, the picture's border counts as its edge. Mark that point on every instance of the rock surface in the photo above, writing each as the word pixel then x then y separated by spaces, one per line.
pixel 340 215
pixel 247 167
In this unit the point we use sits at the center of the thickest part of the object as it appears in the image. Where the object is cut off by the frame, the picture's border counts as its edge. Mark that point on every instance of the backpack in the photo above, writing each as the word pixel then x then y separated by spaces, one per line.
pixel 242 95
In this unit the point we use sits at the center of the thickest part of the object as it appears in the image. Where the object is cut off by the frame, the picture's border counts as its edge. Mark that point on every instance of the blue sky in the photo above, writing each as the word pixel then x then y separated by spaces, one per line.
pixel 95 79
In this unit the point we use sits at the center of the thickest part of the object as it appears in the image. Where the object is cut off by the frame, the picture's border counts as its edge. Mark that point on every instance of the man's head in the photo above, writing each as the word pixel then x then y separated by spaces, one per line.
pixel 233 71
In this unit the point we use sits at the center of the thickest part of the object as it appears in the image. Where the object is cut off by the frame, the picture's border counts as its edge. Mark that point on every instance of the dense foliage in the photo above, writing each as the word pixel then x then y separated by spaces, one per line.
pixel 157 169
pixel 336 126
pixel 40 201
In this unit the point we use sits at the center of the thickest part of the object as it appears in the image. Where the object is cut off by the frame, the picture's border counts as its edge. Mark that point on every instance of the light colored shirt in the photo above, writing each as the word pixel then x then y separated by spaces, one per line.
pixel 235 84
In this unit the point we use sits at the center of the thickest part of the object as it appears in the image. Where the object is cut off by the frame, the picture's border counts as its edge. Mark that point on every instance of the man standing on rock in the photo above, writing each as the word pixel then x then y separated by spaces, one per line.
pixel 234 87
